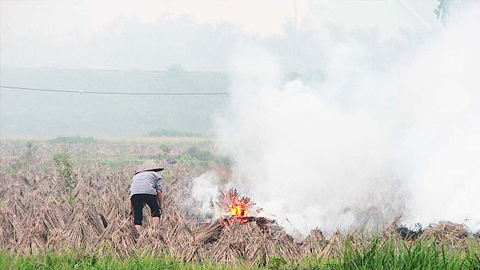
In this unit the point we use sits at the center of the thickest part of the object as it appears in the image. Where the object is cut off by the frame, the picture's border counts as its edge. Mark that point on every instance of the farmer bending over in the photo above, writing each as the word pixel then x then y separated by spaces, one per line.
pixel 146 188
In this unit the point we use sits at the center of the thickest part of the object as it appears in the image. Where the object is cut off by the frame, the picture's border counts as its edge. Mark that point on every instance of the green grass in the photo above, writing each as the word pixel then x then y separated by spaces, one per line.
pixel 374 255
pixel 74 139
pixel 173 133
pixel 55 261
pixel 418 255
pixel 10 170
pixel 117 163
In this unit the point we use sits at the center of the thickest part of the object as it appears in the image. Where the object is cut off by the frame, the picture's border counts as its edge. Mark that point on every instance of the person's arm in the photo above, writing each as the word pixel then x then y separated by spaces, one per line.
pixel 159 187
pixel 160 199
pixel 130 206
pixel 129 203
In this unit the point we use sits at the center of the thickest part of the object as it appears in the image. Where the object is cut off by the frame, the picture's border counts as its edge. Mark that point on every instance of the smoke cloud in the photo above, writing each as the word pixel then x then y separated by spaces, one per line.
pixel 205 192
pixel 401 140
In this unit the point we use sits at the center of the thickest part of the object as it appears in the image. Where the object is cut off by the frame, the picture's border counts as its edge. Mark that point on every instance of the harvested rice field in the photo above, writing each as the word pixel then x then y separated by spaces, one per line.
pixel 63 205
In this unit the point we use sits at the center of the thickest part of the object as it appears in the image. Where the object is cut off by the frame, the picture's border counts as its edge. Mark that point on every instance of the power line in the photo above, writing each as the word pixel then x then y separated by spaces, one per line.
pixel 115 93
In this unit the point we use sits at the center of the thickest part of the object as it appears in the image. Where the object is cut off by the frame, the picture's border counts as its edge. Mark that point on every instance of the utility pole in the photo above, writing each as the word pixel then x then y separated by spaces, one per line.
pixel 295 8
pixel 295 39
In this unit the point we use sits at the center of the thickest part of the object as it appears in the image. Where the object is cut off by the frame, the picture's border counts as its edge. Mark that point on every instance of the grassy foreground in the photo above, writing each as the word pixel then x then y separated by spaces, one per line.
pixel 374 255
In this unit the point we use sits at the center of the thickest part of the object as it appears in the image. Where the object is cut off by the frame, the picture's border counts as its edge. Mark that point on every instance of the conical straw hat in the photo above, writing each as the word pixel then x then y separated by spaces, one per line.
pixel 149 165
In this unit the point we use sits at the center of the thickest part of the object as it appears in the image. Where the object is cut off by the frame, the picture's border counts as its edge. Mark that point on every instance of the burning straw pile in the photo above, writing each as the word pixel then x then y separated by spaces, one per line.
pixel 35 216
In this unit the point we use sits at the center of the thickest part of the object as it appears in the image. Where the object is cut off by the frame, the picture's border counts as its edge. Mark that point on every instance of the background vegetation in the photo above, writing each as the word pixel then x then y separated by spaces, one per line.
pixel 47 114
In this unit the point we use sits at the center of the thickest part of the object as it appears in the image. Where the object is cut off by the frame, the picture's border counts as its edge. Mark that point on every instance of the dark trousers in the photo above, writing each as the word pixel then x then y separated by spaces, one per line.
pixel 139 201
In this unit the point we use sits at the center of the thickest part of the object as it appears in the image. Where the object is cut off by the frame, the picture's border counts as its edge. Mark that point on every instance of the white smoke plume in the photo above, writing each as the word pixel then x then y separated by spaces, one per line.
pixel 441 110
pixel 405 140
pixel 205 192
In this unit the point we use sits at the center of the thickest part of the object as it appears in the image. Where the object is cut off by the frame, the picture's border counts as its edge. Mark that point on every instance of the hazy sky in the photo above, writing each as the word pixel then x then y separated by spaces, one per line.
pixel 86 18
pixel 26 23
pixel 257 16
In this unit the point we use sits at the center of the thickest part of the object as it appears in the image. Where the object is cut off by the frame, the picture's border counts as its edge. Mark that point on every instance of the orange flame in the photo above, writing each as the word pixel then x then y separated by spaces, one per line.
pixel 238 208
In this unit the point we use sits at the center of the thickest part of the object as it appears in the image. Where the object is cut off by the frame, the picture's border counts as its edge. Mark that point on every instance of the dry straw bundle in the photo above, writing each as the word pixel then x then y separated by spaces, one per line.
pixel 36 216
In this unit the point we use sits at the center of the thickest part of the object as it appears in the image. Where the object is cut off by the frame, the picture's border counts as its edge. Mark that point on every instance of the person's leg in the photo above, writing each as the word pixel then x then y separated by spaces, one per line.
pixel 156 221
pixel 153 204
pixel 137 204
